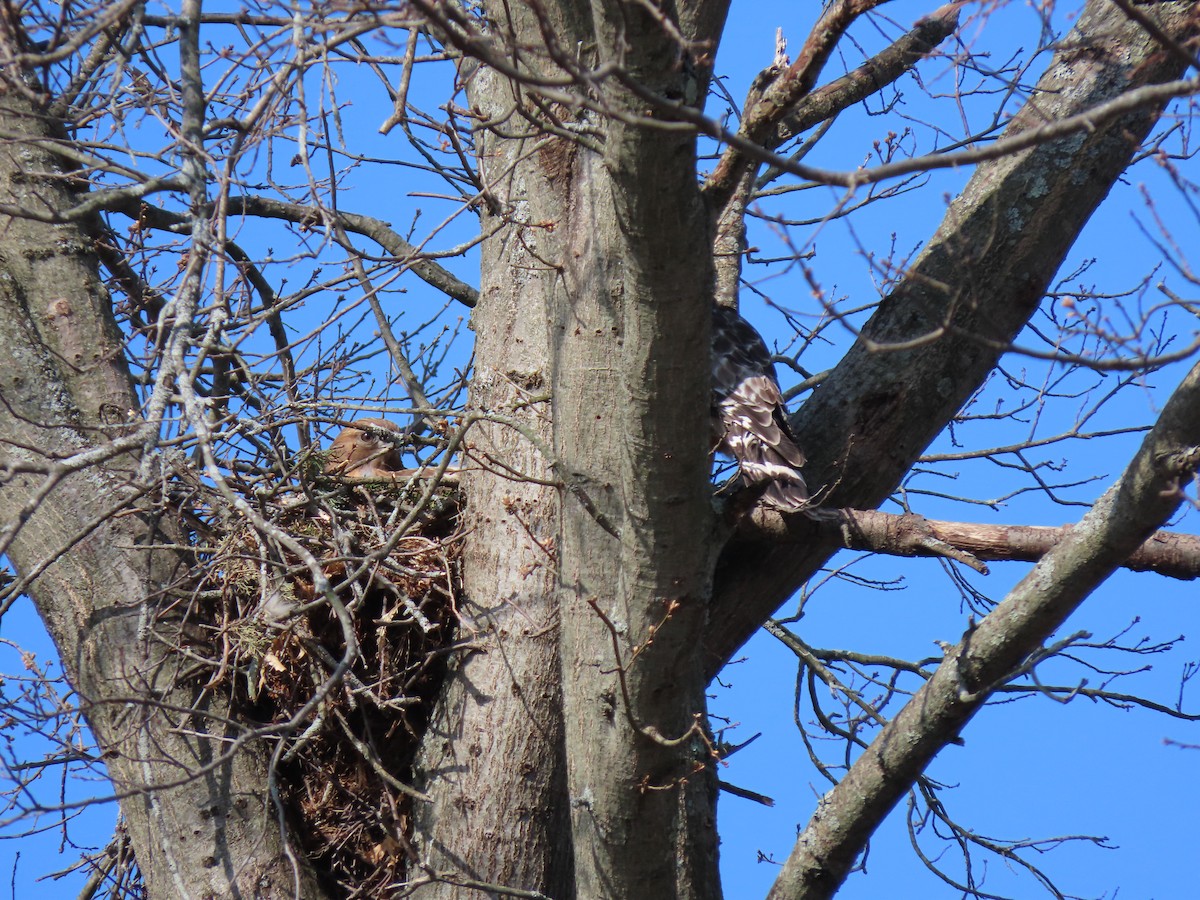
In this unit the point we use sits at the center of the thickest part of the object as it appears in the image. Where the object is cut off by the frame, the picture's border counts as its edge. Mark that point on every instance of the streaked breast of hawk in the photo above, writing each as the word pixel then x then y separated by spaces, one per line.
pixel 749 419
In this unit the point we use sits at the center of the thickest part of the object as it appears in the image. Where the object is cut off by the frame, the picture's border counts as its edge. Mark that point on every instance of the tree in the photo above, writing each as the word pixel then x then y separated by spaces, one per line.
pixel 510 640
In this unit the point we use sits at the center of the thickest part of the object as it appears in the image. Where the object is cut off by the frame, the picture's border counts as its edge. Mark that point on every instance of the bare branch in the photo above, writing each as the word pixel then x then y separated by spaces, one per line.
pixel 875 414
pixel 1166 553
pixel 776 93
pixel 1144 498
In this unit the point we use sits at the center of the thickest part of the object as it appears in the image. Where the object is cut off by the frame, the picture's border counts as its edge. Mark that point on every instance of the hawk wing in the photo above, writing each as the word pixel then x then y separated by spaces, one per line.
pixel 749 419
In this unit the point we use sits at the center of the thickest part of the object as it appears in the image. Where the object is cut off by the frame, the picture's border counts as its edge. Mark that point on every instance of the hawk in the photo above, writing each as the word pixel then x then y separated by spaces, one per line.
pixel 363 451
pixel 748 418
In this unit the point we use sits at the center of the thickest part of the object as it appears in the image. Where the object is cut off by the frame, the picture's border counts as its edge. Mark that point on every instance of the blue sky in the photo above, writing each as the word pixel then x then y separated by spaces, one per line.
pixel 1035 768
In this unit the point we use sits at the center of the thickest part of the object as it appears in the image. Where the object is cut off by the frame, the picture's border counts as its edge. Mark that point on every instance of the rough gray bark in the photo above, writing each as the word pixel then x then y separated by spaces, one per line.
pixel 972 289
pixel 201 825
pixel 631 430
pixel 592 320
pixel 493 762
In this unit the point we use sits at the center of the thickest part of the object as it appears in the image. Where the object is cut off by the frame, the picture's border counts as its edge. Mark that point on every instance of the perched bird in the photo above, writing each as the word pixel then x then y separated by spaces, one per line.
pixel 362 451
pixel 748 418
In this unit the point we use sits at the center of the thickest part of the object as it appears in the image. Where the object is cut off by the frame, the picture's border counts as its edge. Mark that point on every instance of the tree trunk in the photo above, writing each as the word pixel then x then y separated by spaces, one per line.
pixel 632 433
pixel 493 761
pixel 591 367
pixel 196 806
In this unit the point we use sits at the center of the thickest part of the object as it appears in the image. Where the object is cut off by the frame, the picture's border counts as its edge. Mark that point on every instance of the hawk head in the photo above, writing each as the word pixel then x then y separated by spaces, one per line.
pixel 364 450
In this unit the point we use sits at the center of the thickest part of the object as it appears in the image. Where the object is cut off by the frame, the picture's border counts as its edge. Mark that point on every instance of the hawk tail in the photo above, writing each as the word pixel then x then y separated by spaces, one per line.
pixel 785 487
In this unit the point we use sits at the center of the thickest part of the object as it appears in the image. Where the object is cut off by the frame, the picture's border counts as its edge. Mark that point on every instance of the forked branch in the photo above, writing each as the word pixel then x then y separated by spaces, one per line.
pixel 1145 497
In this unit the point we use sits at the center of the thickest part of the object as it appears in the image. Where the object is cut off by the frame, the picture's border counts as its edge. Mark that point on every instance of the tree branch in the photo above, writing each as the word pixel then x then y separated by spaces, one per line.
pixel 1146 496
pixel 1167 553
pixel 377 230
pixel 874 75
pixel 778 92
pixel 728 200
pixel 984 273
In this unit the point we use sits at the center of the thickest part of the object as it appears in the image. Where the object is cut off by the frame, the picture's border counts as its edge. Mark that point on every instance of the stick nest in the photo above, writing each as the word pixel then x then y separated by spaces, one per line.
pixel 274 634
